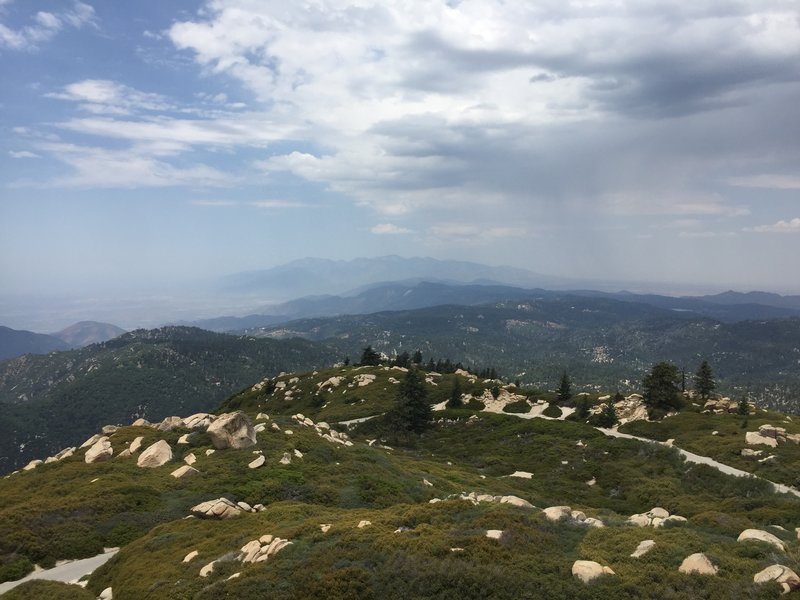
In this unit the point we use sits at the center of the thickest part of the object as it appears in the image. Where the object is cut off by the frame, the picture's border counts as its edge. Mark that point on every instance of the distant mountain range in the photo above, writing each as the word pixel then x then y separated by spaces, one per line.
pixel 323 276
pixel 413 294
pixel 15 342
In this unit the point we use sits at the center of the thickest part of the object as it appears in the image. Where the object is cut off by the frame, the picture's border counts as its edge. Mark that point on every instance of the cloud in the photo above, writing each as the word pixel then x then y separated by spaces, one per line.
pixel 22 154
pixel 94 167
pixel 213 202
pixel 45 26
pixel 277 204
pixel 790 226
pixel 485 106
pixel 389 229
pixel 467 232
pixel 102 96
pixel 774 181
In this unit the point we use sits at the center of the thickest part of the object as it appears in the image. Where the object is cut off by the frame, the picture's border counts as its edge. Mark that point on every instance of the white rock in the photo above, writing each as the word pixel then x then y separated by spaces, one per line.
pixel 262 417
pixel 244 506
pixel 136 444
pixel 754 437
pixel 156 455
pixel 210 451
pixel 643 548
pixel 557 513
pixel 325 527
pixel 286 459
pixel 759 535
pixel 658 512
pixel 190 459
pixel 787 578
pixel 184 439
pixel 587 570
pixel 106 594
pixel 170 423
pixel 208 569
pixel 494 534
pixel 221 508
pixel 232 430
pixel 35 463
pixel 184 471
pixel 516 501
pixel 697 563
pixel 259 461
pixel 101 450
pixel 191 556
pixel 521 474
pixel 298 454
pixel 364 523
pixel 91 441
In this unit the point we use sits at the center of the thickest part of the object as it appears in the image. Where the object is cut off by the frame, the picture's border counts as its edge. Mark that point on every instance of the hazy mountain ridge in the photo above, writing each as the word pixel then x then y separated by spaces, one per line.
pixel 16 342
pixel 84 333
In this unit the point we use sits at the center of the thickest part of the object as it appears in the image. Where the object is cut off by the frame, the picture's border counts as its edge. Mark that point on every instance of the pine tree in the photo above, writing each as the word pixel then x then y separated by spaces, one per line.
pixel 744 407
pixel 417 358
pixel 411 412
pixel 608 416
pixel 455 394
pixel 662 388
pixel 704 382
pixel 582 408
pixel 564 390
pixel 369 357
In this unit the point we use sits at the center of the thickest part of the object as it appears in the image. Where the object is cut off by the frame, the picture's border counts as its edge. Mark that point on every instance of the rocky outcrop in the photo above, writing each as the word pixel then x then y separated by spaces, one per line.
pixel 156 455
pixel 232 430
pixel 656 517
pixel 587 570
pixel 257 462
pixel 565 513
pixel 221 508
pixel 754 437
pixel 784 576
pixel 101 450
pixel 136 444
pixel 758 535
pixel 262 549
pixel 698 563
pixel 199 420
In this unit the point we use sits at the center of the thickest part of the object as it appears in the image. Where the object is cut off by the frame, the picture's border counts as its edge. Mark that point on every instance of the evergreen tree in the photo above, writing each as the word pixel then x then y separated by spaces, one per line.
pixel 662 388
pixel 744 407
pixel 411 412
pixel 455 394
pixel 704 382
pixel 564 390
pixel 370 358
pixel 582 408
pixel 608 416
pixel 403 360
pixel 417 358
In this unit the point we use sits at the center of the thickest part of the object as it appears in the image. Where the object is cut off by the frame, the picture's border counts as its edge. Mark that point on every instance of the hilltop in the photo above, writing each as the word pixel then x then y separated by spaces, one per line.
pixel 484 503
pixel 56 400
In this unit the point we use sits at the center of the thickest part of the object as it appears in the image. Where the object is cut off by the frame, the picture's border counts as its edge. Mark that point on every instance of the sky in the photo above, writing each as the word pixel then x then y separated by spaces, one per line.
pixel 152 143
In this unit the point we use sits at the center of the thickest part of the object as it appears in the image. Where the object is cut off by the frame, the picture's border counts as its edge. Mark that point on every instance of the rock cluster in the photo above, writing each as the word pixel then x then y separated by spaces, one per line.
pixel 565 513
pixel 721 405
pixel 475 498
pixel 363 379
pixel 656 517
pixel 262 549
pixel 221 508
pixel 771 436
pixel 324 430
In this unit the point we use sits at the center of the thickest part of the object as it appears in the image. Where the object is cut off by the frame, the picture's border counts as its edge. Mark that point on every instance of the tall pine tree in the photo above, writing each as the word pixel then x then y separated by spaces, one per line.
pixel 411 412
pixel 704 383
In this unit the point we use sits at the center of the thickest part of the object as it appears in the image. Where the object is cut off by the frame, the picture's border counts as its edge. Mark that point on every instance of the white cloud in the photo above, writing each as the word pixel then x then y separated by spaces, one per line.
pixel 101 96
pixel 22 154
pixel 45 26
pixel 790 226
pixel 213 203
pixel 775 181
pixel 278 204
pixel 388 229
pixel 468 232
pixel 104 168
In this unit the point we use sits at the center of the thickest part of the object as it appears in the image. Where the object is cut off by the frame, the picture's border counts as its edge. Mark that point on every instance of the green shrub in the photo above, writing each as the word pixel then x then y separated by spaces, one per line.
pixel 14 566
pixel 552 411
